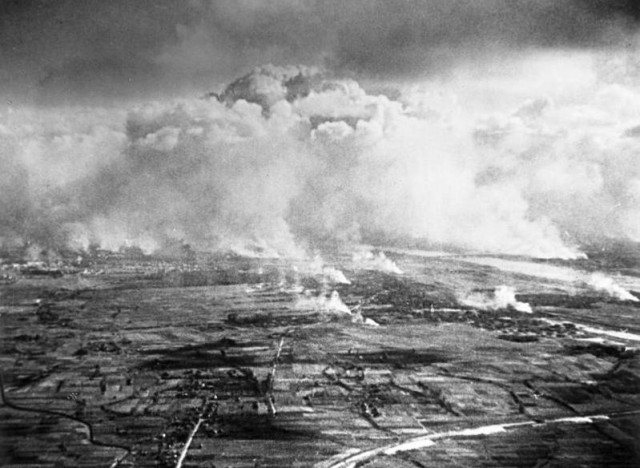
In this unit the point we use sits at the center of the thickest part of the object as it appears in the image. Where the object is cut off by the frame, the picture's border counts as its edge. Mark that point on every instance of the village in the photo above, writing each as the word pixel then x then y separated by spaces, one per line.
pixel 224 361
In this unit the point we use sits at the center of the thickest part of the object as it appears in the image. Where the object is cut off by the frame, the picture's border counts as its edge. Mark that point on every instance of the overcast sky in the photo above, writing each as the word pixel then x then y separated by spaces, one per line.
pixel 77 51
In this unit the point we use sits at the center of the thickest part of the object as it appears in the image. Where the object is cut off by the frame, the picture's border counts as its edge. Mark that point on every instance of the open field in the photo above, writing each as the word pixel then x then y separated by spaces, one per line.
pixel 118 361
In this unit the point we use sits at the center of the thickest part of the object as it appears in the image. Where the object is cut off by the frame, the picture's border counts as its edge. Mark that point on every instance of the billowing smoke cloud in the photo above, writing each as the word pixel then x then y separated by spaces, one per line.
pixel 46 158
pixel 286 160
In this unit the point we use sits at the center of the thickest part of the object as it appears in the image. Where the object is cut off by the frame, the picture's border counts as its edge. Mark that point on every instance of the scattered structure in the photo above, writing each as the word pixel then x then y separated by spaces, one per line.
pixel 158 364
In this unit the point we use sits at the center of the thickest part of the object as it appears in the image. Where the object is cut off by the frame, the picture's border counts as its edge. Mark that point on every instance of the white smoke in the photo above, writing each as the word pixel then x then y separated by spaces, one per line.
pixel 286 160
pixel 357 317
pixel 503 297
pixel 607 285
pixel 326 303
pixel 574 279
pixel 335 276
pixel 367 260
pixel 329 273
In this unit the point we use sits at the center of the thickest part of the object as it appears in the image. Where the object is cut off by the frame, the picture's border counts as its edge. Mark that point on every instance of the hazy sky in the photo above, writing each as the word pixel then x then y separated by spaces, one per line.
pixel 73 51
pixel 494 125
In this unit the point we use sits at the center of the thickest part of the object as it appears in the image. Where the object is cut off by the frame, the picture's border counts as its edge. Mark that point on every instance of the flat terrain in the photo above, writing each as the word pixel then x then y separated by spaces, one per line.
pixel 235 362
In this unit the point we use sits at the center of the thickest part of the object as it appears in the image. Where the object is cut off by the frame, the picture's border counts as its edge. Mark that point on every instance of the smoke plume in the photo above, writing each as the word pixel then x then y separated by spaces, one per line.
pixel 502 297
pixel 367 260
pixel 286 160
pixel 326 303
pixel 606 285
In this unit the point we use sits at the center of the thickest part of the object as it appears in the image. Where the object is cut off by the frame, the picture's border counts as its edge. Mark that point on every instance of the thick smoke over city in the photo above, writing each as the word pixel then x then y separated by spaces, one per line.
pixel 286 160
pixel 405 124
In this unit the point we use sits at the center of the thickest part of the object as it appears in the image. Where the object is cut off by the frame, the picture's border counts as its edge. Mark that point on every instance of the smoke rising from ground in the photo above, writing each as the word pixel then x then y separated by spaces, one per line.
pixel 324 302
pixel 503 297
pixel 287 160
pixel 367 260
pixel 606 285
